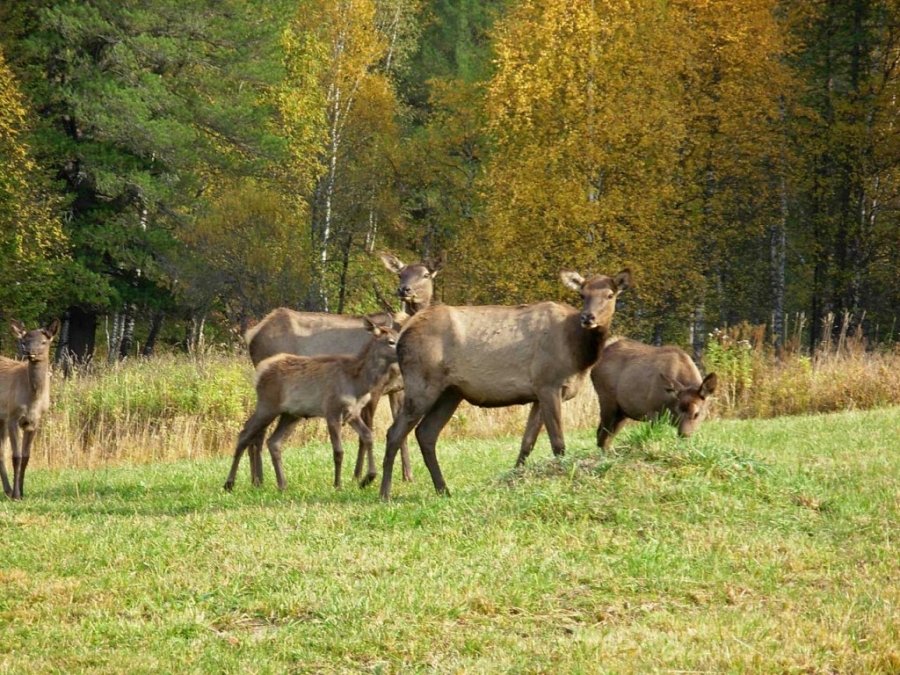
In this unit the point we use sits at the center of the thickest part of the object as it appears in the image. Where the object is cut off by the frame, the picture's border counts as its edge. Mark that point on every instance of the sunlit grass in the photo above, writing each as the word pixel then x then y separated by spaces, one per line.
pixel 756 546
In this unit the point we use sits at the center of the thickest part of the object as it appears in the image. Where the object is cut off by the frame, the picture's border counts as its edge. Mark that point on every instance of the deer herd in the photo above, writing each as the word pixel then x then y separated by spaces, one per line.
pixel 427 359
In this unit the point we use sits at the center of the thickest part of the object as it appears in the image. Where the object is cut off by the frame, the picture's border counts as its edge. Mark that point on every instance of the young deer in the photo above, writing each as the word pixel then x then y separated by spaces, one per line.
pixel 24 397
pixel 288 331
pixel 640 382
pixel 336 387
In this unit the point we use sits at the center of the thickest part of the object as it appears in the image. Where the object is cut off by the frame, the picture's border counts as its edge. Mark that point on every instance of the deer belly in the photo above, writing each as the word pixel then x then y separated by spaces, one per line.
pixel 304 403
pixel 495 395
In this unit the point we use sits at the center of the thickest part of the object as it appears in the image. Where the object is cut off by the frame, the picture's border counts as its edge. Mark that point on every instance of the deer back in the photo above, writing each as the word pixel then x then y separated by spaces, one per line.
pixel 497 355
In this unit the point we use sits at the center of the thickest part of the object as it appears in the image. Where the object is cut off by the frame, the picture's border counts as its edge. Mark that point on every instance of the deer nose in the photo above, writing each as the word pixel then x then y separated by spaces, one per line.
pixel 404 290
pixel 587 318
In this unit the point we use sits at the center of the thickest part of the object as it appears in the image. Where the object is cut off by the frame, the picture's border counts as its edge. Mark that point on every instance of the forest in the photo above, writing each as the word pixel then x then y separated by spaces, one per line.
pixel 171 171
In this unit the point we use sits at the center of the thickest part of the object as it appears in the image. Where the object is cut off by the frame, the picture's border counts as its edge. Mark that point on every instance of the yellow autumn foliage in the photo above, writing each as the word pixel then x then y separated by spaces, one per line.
pixel 31 238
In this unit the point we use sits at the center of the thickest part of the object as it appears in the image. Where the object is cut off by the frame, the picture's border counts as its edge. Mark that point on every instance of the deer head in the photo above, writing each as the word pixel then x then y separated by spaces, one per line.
pixel 689 404
pixel 598 294
pixel 35 343
pixel 416 281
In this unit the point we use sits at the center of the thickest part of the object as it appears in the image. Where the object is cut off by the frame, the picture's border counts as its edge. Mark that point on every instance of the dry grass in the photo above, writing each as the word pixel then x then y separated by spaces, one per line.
pixel 844 373
pixel 176 407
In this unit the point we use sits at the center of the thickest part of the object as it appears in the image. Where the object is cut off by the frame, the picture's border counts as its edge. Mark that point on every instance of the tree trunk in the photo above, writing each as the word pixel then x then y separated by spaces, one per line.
pixel 126 343
pixel 155 326
pixel 82 335
pixel 777 245
pixel 345 266
pixel 194 341
pixel 62 344
pixel 113 337
pixel 698 331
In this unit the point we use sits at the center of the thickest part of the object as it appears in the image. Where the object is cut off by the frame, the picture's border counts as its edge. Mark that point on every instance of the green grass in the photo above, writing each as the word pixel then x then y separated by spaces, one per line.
pixel 757 546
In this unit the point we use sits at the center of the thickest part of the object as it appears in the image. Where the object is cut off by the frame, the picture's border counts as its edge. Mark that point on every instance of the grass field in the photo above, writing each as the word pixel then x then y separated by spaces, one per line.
pixel 756 547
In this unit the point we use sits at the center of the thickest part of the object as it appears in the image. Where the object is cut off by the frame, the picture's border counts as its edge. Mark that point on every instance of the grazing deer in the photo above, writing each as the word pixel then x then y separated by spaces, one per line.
pixel 336 387
pixel 24 398
pixel 317 333
pixel 499 356
pixel 640 382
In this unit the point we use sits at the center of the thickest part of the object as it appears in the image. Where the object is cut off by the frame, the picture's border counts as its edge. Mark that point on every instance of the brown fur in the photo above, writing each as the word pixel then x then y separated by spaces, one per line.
pixel 498 356
pixel 336 387
pixel 288 331
pixel 24 398
pixel 639 382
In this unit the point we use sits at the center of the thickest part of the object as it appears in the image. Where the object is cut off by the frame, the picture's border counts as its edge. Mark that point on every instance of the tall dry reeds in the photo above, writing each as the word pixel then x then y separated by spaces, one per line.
pixel 177 406
pixel 843 373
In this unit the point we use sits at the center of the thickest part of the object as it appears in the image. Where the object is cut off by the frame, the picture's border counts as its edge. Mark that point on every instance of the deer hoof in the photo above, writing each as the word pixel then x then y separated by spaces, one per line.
pixel 229 485
pixel 367 479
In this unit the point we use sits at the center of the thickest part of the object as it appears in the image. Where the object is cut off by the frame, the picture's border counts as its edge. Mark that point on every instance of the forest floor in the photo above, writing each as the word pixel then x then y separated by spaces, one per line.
pixel 757 546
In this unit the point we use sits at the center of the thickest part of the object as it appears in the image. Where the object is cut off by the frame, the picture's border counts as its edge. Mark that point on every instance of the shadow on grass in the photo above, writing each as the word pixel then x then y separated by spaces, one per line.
pixel 126 496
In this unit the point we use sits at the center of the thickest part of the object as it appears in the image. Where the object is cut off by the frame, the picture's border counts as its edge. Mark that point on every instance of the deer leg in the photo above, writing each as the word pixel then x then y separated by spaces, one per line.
pixel 254 426
pixel 285 426
pixel 396 400
pixel 430 428
pixel 611 420
pixel 27 440
pixel 551 410
pixel 409 416
pixel 334 431
pixel 367 414
pixel 365 436
pixel 532 429
pixel 254 451
pixel 13 429
pixel 7 488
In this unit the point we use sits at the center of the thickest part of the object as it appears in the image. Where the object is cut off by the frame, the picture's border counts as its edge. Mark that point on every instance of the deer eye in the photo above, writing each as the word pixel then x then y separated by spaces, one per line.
pixel 610 295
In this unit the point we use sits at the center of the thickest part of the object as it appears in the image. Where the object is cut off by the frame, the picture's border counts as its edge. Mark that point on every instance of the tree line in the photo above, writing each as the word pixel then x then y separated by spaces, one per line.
pixel 172 169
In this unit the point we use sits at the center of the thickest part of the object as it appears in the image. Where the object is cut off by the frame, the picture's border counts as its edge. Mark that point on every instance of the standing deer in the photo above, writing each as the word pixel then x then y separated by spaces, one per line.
pixel 639 382
pixel 499 356
pixel 317 333
pixel 334 387
pixel 24 398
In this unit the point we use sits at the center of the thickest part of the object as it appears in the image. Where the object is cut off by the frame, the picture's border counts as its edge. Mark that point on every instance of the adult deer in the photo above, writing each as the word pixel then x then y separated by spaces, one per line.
pixel 640 382
pixel 317 333
pixel 334 387
pixel 24 398
pixel 499 356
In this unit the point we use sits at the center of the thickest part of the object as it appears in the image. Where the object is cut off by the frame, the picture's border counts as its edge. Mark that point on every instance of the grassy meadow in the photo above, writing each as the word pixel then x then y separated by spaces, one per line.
pixel 757 546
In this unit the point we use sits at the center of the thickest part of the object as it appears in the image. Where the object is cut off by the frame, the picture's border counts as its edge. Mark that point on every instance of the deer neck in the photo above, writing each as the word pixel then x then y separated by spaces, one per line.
pixel 38 377
pixel 588 342
pixel 410 307
pixel 373 369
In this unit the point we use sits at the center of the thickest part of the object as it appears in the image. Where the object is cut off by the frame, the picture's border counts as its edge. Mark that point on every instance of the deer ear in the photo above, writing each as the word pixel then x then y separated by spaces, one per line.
pixel 708 386
pixel 672 387
pixel 571 280
pixel 623 280
pixel 52 329
pixel 392 262
pixel 372 327
pixel 18 328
